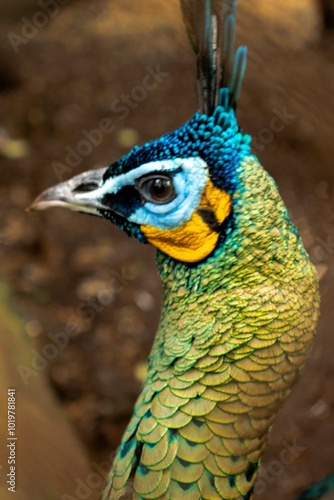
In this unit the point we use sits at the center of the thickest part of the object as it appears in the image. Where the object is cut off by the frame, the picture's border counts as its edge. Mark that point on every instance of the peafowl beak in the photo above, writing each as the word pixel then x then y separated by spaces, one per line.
pixel 80 194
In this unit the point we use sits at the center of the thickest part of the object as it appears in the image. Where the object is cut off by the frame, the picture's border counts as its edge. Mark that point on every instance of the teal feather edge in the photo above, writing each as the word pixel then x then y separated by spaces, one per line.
pixel 319 490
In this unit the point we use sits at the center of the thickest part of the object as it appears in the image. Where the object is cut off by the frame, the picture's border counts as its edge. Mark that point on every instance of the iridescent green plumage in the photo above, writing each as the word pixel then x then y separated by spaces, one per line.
pixel 238 316
pixel 234 334
pixel 235 328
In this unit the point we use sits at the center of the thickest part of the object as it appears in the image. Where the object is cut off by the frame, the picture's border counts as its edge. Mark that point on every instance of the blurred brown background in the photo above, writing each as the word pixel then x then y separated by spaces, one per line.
pixel 88 297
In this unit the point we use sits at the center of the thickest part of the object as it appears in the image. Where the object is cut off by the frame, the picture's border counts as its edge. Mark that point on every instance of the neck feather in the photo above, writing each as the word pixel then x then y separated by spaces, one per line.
pixel 234 333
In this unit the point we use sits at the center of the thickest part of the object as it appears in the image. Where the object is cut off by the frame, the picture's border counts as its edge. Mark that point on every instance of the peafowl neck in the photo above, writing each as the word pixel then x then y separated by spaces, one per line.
pixel 260 254
pixel 234 333
pixel 258 242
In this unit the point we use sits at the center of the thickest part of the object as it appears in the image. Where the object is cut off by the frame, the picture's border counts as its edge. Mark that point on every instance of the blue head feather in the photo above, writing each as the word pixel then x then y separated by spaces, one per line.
pixel 212 134
pixel 217 139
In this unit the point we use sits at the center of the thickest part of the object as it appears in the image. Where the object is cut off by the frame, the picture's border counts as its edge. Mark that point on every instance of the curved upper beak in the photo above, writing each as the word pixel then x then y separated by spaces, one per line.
pixel 82 193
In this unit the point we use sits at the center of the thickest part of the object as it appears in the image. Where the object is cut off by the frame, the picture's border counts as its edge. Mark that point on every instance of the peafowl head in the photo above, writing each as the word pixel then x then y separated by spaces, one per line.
pixel 177 192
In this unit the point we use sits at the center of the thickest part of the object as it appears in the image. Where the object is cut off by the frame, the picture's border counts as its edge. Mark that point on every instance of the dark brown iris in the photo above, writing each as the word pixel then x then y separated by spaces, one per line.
pixel 156 189
pixel 161 189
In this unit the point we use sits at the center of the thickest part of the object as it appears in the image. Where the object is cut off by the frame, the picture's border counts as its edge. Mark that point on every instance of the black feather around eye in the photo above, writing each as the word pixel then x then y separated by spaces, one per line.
pixel 208 216
pixel 125 202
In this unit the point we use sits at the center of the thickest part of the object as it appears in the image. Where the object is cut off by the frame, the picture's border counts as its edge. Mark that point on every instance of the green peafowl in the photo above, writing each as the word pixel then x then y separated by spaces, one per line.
pixel 241 297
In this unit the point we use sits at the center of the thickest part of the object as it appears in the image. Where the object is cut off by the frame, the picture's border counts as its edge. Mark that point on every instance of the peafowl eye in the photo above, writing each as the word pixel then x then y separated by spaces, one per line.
pixel 171 203
pixel 240 294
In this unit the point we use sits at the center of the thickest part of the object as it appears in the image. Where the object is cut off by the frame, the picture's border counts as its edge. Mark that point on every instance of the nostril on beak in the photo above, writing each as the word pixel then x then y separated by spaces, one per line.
pixel 85 187
pixel 72 194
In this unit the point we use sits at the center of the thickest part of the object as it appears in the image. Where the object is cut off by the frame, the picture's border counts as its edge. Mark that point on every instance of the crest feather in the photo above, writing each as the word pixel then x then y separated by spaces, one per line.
pixel 210 25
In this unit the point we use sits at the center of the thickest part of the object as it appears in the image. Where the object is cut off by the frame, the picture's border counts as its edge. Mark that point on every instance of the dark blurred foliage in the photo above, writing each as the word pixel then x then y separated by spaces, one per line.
pixel 327 13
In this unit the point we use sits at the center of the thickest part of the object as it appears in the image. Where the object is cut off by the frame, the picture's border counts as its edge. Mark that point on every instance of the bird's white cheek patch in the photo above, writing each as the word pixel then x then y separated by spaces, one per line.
pixel 189 182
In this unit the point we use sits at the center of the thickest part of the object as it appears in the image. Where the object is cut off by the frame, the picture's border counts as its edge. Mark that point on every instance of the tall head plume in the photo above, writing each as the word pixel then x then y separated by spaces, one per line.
pixel 211 30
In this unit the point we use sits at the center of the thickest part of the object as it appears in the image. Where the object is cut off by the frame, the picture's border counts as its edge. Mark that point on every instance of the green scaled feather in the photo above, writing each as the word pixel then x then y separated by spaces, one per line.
pixel 233 336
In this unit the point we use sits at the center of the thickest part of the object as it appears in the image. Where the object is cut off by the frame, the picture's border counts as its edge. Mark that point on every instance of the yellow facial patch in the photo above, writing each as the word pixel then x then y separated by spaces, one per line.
pixel 194 240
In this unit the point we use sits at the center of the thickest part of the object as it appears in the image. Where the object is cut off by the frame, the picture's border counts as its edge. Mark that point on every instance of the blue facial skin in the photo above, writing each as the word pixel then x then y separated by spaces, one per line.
pixel 217 140
pixel 129 193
